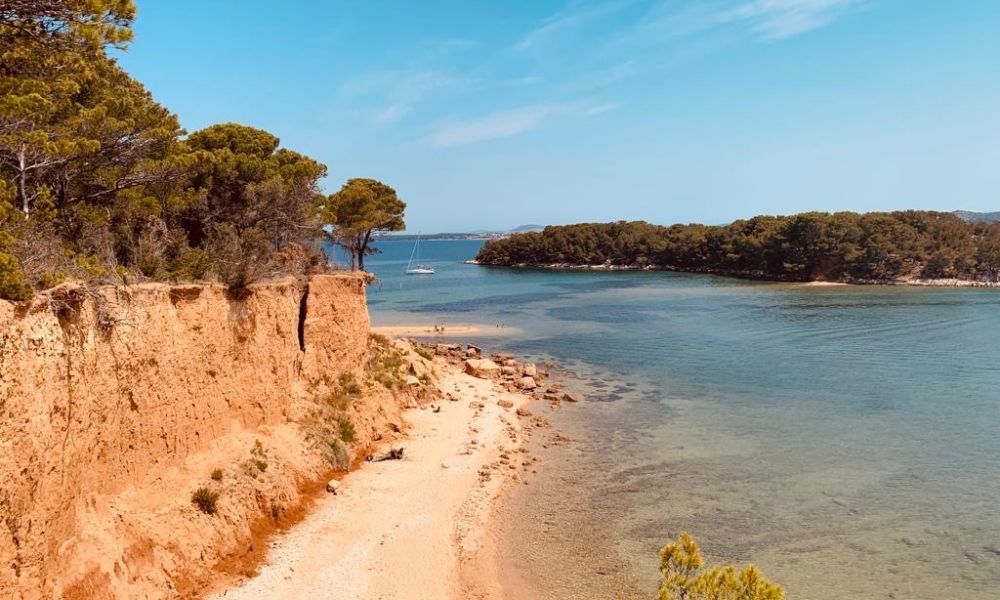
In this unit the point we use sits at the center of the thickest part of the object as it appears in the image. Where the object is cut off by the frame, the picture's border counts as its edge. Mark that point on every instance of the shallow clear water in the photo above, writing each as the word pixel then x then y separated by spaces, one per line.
pixel 846 439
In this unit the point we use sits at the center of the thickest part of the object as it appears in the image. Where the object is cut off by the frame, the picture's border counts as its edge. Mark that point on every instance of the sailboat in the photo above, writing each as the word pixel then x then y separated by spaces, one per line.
pixel 419 269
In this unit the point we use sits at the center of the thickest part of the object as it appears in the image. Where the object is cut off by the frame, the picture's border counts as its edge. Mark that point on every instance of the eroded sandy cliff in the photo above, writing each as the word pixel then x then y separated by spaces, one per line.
pixel 115 405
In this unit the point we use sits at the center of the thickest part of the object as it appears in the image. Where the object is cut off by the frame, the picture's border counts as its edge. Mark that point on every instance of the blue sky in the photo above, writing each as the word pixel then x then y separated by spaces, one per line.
pixel 488 115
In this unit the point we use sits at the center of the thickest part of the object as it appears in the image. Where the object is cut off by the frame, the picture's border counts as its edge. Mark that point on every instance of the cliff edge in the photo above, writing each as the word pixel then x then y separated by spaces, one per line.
pixel 117 404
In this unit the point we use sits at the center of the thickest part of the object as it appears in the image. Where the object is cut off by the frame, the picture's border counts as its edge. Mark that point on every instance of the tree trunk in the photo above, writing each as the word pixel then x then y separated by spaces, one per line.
pixel 22 187
pixel 363 249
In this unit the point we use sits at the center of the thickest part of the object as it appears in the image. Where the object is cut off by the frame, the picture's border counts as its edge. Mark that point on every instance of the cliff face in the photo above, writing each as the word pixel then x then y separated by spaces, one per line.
pixel 114 404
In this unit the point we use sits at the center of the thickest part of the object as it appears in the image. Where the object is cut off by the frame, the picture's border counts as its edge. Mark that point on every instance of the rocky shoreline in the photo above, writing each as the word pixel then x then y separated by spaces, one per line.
pixel 466 449
pixel 512 374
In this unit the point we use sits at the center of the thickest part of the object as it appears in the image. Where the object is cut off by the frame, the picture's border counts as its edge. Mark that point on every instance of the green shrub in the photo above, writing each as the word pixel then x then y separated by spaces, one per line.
pixel 685 577
pixel 190 265
pixel 241 258
pixel 338 455
pixel 349 384
pixel 385 364
pixel 216 474
pixel 346 430
pixel 337 399
pixel 206 500
pixel 342 391
pixel 12 281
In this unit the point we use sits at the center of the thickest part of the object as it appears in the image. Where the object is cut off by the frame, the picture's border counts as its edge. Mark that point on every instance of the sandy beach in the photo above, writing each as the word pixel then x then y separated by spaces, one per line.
pixel 445 330
pixel 412 528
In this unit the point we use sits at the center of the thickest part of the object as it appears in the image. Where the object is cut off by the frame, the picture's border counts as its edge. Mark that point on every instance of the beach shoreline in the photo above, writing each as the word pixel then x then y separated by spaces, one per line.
pixel 425 523
pixel 751 276
pixel 444 331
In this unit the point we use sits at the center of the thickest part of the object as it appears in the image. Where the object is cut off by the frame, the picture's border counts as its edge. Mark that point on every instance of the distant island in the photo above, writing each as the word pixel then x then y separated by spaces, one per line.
pixel 977 217
pixel 473 235
pixel 912 247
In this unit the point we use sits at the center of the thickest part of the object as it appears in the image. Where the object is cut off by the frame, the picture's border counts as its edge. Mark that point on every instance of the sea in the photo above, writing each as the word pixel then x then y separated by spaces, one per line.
pixel 844 439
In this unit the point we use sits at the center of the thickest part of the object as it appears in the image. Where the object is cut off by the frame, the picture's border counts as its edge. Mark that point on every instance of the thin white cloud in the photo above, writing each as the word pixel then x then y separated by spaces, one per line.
pixel 508 123
pixel 389 95
pixel 392 113
pixel 667 22
pixel 493 126
pixel 409 83
pixel 779 19
pixel 601 108
pixel 574 15
pixel 528 80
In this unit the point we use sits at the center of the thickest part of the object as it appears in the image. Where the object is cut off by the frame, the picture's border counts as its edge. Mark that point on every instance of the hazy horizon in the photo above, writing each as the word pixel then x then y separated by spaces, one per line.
pixel 487 116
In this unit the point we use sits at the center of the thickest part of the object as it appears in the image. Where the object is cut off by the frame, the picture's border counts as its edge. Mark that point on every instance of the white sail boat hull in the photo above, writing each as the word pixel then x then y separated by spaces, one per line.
pixel 419 269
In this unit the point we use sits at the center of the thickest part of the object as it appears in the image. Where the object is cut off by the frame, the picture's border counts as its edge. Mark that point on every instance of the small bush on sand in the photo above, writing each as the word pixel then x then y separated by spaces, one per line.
pixel 205 499
pixel 337 400
pixel 257 462
pixel 346 430
pixel 349 385
pixel 338 455
pixel 342 391
pixel 216 474
pixel 385 364
pixel 685 577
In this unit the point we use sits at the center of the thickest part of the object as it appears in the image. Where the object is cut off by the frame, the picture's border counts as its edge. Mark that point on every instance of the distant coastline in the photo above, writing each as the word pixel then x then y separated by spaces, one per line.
pixel 445 237
pixel 917 248
pixel 755 276
pixel 461 235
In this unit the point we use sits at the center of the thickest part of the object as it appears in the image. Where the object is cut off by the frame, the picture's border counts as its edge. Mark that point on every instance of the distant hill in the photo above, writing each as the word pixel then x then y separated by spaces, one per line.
pixel 528 227
pixel 977 217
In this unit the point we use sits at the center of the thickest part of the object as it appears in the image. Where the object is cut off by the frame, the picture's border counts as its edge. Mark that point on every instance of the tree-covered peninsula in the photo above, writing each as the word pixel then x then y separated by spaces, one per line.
pixel 844 246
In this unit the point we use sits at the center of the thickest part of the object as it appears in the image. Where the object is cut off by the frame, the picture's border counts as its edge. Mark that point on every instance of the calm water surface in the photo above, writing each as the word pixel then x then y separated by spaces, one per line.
pixel 845 439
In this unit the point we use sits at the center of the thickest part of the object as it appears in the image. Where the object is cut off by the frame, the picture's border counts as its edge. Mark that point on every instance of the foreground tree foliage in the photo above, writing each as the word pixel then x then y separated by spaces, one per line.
pixel 685 577
pixel 360 210
pixel 98 181
pixel 805 247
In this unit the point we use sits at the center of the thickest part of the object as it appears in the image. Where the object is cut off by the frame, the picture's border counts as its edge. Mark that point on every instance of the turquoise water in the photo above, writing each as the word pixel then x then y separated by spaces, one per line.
pixel 846 439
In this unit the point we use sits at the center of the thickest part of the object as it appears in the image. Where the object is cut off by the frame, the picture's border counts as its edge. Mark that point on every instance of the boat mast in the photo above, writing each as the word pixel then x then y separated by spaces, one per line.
pixel 416 246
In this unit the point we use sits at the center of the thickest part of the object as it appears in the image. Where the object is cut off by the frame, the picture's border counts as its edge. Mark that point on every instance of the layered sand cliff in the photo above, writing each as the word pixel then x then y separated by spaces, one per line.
pixel 116 404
